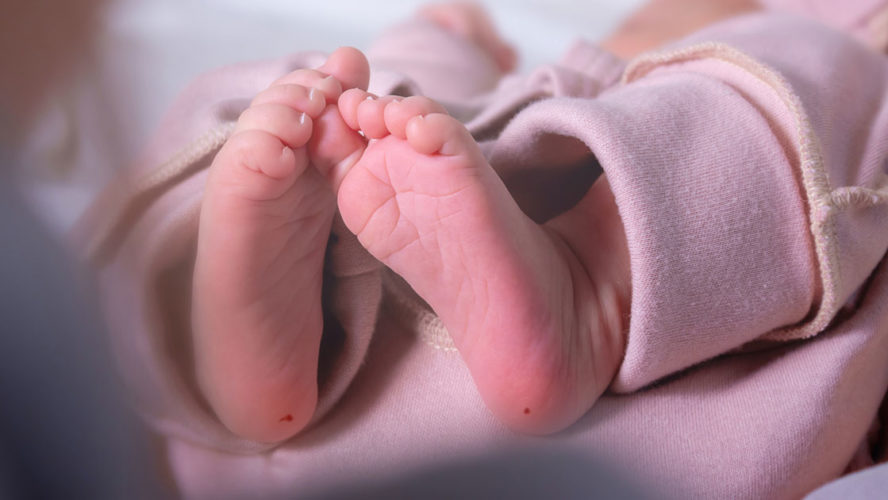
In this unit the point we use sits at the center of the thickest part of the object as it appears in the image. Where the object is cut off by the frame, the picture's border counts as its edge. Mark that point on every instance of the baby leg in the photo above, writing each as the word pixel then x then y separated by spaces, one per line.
pixel 539 324
pixel 264 225
pixel 452 51
pixel 470 21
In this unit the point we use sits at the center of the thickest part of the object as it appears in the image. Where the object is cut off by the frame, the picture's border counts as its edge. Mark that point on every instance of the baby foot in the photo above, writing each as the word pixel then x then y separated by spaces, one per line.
pixel 264 225
pixel 471 22
pixel 540 330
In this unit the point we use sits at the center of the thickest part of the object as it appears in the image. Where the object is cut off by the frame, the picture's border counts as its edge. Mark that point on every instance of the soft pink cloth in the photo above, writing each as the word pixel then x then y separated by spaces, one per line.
pixel 749 166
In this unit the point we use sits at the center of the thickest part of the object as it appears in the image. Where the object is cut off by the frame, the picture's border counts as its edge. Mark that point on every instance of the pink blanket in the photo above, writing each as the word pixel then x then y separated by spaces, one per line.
pixel 750 166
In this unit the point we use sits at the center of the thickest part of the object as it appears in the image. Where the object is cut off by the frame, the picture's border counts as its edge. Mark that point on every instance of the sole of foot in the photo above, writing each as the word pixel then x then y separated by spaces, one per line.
pixel 264 225
pixel 540 330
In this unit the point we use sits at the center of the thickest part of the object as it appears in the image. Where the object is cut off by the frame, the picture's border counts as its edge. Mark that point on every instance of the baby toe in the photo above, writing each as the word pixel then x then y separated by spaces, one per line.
pixel 370 116
pixel 441 134
pixel 308 100
pixel 328 85
pixel 348 106
pixel 253 152
pixel 349 66
pixel 398 113
pixel 291 126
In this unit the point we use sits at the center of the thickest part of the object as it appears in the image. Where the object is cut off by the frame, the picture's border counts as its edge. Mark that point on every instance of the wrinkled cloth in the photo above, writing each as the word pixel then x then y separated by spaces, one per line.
pixel 748 163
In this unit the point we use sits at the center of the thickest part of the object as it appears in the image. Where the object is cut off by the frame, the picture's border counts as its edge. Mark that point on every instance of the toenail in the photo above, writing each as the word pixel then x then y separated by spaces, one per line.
pixel 369 98
pixel 302 117
pixel 312 94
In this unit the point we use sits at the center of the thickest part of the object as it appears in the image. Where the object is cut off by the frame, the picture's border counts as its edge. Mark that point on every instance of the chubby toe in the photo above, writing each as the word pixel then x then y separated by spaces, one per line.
pixel 348 105
pixel 348 65
pixel 371 116
pixel 439 133
pixel 398 113
pixel 291 126
pixel 309 100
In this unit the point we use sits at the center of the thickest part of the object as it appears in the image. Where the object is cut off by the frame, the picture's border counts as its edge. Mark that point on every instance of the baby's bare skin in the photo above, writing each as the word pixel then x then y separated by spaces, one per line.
pixel 538 313
pixel 265 219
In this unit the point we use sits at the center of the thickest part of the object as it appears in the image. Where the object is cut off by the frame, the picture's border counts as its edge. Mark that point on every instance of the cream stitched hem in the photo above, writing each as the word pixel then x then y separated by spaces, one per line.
pixel 823 203
pixel 859 197
pixel 414 316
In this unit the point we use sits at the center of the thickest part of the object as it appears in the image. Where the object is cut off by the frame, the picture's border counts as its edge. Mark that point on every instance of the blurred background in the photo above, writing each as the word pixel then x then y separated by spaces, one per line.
pixel 146 51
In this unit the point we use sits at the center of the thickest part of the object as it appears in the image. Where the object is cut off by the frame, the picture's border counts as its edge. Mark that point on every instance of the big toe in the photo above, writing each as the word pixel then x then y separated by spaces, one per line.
pixel 334 146
pixel 349 66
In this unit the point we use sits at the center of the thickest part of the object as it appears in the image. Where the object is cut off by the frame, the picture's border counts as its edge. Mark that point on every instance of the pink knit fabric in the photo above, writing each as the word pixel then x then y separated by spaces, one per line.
pixel 749 166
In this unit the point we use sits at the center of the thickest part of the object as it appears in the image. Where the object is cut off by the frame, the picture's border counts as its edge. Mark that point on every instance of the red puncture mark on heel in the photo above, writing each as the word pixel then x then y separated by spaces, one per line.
pixel 286 418
pixel 527 411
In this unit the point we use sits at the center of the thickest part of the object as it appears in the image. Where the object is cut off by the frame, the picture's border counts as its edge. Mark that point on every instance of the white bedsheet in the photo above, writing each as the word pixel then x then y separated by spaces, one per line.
pixel 150 49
